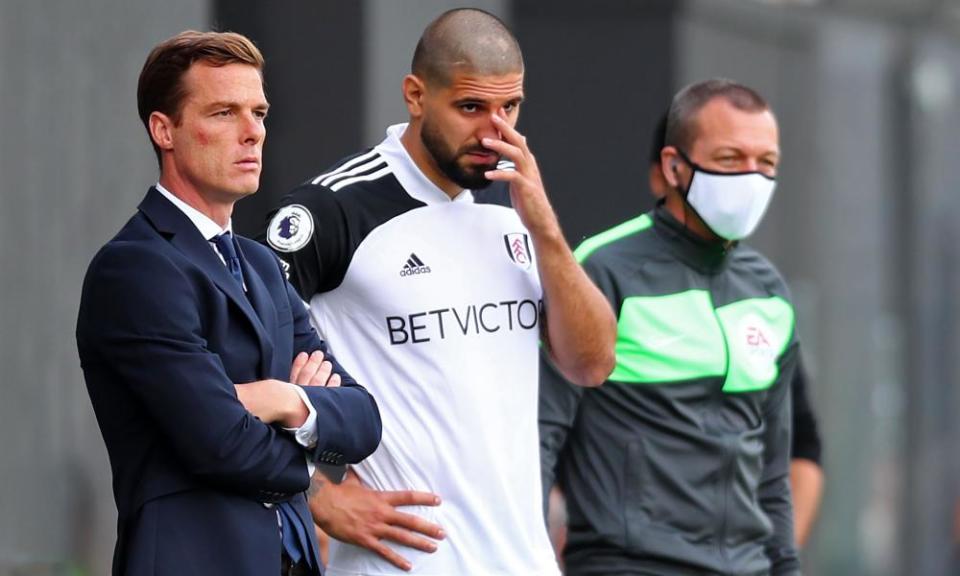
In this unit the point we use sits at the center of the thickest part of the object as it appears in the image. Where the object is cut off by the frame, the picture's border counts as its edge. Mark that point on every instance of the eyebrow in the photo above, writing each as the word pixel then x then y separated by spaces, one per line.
pixel 234 104
pixel 726 149
pixel 484 100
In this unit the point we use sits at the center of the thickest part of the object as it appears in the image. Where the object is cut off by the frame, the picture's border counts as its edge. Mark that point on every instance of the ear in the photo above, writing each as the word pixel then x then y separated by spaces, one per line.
pixel 414 91
pixel 161 130
pixel 670 164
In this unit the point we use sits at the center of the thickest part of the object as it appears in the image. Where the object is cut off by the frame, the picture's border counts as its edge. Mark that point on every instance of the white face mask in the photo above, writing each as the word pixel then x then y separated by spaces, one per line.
pixel 731 204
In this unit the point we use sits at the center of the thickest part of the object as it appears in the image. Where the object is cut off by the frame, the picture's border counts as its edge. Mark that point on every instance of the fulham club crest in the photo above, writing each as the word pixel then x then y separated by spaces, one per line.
pixel 518 249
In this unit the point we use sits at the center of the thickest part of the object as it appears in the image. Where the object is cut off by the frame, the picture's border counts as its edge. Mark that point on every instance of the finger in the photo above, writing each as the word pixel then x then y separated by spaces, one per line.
pixel 409 539
pixel 310 368
pixel 388 554
pixel 509 133
pixel 511 176
pixel 410 498
pixel 334 381
pixel 412 523
pixel 322 374
pixel 298 363
pixel 505 149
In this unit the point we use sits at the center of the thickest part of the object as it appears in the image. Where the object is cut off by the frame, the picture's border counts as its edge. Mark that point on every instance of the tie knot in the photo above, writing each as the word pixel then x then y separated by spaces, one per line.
pixel 225 246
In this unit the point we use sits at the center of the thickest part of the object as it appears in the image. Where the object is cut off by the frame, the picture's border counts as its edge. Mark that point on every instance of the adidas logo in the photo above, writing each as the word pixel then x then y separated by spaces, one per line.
pixel 413 266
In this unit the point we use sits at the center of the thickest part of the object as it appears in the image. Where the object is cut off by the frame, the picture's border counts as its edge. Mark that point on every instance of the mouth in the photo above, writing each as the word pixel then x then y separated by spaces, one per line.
pixel 482 156
pixel 248 163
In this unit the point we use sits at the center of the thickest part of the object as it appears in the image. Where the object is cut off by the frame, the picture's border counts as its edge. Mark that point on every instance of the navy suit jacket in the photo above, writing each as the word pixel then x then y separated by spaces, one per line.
pixel 164 332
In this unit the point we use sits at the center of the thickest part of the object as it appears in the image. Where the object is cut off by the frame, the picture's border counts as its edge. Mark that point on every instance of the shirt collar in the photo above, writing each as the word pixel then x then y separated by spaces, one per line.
pixel 413 180
pixel 702 255
pixel 207 227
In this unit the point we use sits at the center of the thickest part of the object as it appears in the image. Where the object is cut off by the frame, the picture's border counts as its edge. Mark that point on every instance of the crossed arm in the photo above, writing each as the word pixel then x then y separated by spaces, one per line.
pixel 144 337
pixel 332 420
pixel 279 401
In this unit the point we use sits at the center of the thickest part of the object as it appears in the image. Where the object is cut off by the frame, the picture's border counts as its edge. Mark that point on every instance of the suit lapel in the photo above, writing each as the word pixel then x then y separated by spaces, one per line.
pixel 184 236
pixel 263 307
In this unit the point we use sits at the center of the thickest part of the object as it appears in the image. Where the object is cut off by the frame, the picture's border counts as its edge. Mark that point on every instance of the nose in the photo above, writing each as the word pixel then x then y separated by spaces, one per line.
pixel 253 130
pixel 488 129
pixel 750 164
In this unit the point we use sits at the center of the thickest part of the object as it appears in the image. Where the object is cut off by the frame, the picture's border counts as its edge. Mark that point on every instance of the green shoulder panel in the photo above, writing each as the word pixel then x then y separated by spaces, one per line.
pixel 758 332
pixel 590 245
pixel 680 337
pixel 662 339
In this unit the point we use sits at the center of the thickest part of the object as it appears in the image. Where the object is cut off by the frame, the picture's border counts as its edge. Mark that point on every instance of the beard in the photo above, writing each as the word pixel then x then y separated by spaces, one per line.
pixel 470 176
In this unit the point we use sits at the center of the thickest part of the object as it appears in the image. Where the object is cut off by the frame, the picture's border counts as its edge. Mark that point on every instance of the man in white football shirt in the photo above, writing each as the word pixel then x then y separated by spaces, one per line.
pixel 434 264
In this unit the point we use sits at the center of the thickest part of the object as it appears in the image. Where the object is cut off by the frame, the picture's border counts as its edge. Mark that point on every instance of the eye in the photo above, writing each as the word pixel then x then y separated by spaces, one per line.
pixel 469 107
pixel 511 107
pixel 261 114
pixel 223 113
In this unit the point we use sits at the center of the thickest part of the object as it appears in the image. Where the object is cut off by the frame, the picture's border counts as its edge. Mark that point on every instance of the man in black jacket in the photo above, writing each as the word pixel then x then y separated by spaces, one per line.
pixel 679 463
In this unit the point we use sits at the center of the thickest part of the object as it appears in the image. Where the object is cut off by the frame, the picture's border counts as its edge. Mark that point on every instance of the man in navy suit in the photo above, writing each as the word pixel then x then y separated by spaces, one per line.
pixel 210 387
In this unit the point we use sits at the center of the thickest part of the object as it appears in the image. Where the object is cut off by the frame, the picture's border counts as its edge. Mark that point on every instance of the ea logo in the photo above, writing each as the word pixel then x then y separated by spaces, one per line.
pixel 290 229
pixel 758 340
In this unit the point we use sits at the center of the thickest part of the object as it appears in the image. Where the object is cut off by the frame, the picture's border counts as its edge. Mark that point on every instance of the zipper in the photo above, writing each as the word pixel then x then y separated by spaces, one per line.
pixel 727 471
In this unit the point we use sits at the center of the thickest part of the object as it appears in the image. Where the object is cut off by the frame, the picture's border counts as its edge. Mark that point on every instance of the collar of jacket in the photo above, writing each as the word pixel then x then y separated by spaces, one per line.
pixel 702 255
pixel 184 235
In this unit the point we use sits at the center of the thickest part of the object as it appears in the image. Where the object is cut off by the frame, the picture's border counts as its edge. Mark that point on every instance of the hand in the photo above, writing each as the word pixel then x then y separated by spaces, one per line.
pixel 527 193
pixel 273 401
pixel 352 513
pixel 313 370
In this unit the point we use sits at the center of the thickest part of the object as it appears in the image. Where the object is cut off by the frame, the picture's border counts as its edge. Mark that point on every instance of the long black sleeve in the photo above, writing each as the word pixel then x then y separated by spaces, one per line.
pixel 807 444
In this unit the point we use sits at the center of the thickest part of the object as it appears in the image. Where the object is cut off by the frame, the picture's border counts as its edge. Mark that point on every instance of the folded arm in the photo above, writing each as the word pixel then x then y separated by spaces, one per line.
pixel 348 420
pixel 334 417
pixel 146 332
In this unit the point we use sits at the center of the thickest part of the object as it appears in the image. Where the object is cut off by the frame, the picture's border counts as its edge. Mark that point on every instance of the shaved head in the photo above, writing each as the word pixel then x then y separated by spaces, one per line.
pixel 465 41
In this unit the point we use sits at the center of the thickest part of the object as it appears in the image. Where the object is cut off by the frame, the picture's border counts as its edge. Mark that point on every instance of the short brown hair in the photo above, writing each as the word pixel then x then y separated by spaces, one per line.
pixel 160 88
pixel 681 128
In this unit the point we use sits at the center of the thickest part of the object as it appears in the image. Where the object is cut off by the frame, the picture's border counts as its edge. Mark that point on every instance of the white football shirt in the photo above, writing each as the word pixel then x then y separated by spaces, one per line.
pixel 434 305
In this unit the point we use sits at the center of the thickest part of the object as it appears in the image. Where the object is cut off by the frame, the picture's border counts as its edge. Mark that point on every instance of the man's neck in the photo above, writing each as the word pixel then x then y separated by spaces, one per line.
pixel 219 212
pixel 687 216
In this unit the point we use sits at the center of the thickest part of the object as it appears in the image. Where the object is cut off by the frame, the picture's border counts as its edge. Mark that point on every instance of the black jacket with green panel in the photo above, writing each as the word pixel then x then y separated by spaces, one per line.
pixel 679 463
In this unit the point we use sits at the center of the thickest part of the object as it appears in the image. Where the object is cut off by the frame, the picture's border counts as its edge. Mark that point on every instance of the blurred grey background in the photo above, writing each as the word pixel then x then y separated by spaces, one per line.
pixel 863 224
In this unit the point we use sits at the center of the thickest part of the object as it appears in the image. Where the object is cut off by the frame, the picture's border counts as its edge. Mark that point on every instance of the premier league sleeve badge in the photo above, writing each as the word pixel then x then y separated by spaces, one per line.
pixel 290 229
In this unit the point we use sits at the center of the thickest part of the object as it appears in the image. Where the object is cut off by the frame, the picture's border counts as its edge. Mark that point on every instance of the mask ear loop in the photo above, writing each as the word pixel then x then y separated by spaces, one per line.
pixel 683 193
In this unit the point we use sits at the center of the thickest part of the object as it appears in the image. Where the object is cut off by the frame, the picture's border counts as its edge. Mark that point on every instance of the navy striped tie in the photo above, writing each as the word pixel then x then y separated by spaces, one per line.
pixel 293 533
pixel 227 247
